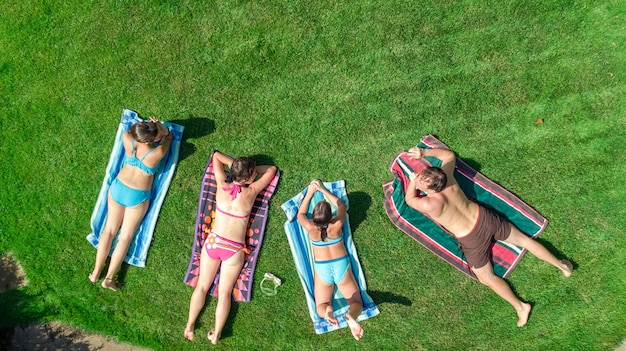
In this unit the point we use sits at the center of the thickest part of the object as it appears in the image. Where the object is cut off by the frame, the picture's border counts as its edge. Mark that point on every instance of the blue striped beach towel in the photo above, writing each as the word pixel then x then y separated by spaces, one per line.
pixel 138 250
pixel 303 258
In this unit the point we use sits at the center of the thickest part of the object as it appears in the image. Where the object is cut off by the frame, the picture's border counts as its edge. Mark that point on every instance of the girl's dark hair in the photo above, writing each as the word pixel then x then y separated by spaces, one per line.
pixel 321 217
pixel 436 178
pixel 144 132
pixel 242 169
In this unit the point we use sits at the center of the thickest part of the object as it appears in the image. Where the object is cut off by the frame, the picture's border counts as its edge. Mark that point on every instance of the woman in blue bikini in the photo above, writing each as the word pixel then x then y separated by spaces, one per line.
pixel 332 263
pixel 145 144
pixel 225 246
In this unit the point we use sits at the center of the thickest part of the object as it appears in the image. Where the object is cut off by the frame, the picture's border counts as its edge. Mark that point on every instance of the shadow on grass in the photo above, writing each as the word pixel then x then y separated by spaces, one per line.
pixel 262 159
pixel 359 203
pixel 18 307
pixel 381 297
pixel 472 163
pixel 195 127
pixel 38 336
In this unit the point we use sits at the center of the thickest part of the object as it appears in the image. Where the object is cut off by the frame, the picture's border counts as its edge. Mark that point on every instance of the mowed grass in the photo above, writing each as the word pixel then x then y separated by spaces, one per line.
pixel 324 90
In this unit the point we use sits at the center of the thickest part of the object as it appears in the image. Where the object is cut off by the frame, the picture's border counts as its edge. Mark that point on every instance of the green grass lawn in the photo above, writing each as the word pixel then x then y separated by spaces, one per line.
pixel 328 90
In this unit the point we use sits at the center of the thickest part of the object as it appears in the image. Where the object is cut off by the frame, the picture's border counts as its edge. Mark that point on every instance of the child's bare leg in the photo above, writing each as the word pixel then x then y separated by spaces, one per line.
pixel 208 269
pixel 93 277
pixel 328 314
pixel 486 276
pixel 132 218
pixel 350 290
pixel 325 310
pixel 230 270
pixel 188 333
pixel 213 337
pixel 566 267
pixel 536 248
pixel 323 300
pixel 355 327
pixel 353 313
pixel 115 214
pixel 109 283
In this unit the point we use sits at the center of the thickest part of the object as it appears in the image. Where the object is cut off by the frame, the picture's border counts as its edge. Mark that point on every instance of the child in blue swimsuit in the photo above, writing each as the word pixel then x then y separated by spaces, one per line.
pixel 129 194
pixel 332 263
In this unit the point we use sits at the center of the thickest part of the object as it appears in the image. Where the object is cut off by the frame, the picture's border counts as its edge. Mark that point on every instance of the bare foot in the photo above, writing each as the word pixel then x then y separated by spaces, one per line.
pixel 567 267
pixel 213 337
pixel 523 314
pixel 93 278
pixel 188 333
pixel 330 316
pixel 108 283
pixel 355 328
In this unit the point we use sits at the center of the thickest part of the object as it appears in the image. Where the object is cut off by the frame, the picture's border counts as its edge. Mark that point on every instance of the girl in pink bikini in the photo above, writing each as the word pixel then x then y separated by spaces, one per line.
pixel 225 245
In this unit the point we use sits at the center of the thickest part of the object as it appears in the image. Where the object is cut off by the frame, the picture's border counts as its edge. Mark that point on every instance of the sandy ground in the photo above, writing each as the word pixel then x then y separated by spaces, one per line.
pixel 57 336
pixel 49 336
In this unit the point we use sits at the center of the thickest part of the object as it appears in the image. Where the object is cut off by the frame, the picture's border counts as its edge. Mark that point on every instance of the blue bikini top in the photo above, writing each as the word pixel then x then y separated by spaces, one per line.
pixel 327 243
pixel 134 161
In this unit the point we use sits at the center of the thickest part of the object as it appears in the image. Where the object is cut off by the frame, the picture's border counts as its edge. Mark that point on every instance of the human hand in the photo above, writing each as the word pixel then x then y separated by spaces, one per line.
pixel 163 130
pixel 412 177
pixel 317 183
pixel 158 123
pixel 415 152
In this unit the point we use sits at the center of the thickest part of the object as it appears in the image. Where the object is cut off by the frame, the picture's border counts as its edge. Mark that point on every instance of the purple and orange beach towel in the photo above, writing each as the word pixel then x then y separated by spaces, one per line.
pixel 242 290
pixel 478 188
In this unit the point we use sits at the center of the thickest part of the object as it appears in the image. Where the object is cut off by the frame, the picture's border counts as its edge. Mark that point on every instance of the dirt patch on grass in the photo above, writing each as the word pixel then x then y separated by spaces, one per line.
pixel 58 336
pixel 47 336
pixel 11 274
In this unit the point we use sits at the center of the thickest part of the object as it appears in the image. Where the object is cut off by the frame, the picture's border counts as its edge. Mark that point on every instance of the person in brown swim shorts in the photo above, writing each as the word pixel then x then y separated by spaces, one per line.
pixel 473 226
pixel 477 244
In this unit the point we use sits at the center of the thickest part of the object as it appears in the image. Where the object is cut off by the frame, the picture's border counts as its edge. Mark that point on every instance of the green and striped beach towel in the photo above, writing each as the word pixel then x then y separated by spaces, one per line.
pixel 478 188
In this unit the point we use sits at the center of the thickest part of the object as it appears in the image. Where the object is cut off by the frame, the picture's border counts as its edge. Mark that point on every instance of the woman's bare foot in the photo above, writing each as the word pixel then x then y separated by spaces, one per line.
pixel 108 283
pixel 93 278
pixel 188 333
pixel 330 316
pixel 355 328
pixel 213 337
pixel 567 267
pixel 523 314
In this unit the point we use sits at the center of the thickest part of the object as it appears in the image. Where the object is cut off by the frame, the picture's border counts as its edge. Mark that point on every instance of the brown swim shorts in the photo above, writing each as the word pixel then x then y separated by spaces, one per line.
pixel 477 244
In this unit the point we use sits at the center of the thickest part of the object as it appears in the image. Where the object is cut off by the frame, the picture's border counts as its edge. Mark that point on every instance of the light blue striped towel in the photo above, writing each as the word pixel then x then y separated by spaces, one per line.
pixel 138 250
pixel 303 257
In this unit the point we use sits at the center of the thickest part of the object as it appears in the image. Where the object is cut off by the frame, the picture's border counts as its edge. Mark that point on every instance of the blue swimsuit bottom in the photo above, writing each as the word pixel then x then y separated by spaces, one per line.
pixel 127 196
pixel 332 271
